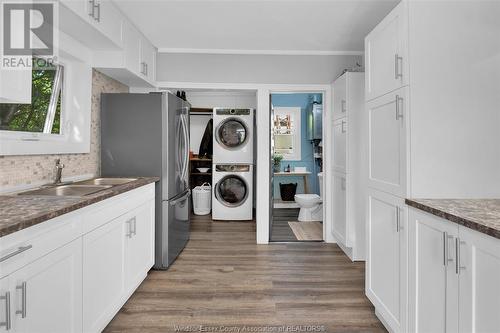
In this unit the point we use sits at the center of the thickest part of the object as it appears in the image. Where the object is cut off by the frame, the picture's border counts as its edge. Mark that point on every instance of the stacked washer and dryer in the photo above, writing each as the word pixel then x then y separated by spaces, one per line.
pixel 232 169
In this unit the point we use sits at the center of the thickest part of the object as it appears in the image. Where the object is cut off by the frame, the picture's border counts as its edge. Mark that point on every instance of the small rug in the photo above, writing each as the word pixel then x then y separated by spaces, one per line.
pixel 307 231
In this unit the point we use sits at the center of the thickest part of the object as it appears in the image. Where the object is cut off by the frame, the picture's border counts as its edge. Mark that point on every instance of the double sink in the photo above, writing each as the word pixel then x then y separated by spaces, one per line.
pixel 80 188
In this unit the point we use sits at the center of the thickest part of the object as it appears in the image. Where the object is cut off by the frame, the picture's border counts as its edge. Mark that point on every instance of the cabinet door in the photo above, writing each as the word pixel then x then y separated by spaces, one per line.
pixel 339 225
pixel 340 129
pixel 103 274
pixel 434 284
pixel 109 21
pixel 479 268
pixel 132 47
pixel 46 295
pixel 148 58
pixel 387 152
pixel 140 247
pixel 82 8
pixel 386 261
pixel 15 86
pixel 5 306
pixel 340 97
pixel 386 54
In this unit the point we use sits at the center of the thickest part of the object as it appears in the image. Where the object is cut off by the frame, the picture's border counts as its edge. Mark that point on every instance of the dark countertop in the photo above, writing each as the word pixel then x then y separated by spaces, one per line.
pixel 482 215
pixel 18 212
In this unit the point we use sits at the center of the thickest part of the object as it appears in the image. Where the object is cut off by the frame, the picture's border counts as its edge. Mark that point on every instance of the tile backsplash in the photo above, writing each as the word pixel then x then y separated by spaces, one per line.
pixel 16 171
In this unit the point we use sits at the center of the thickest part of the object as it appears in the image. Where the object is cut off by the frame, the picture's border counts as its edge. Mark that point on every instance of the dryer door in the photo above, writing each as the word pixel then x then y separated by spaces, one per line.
pixel 232 133
pixel 231 190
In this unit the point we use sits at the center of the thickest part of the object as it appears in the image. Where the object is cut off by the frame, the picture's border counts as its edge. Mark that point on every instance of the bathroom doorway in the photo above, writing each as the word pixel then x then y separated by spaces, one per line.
pixel 297 162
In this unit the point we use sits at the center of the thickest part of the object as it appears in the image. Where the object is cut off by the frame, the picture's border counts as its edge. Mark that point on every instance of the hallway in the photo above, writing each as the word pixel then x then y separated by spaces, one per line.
pixel 223 278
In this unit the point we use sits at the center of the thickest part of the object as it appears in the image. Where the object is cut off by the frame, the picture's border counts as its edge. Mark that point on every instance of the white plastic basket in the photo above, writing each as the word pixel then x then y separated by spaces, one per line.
pixel 202 199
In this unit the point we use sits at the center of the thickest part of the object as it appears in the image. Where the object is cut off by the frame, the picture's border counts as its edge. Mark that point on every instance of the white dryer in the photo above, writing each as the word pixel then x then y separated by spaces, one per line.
pixel 233 135
pixel 232 194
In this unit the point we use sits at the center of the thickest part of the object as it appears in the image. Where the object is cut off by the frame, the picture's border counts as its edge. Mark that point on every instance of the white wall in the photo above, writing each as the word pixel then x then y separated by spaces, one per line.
pixel 259 69
pixel 455 98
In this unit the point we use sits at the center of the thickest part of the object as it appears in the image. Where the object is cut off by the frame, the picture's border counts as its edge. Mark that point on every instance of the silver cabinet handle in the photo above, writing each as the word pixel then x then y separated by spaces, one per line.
pixel 130 223
pixel 19 250
pixel 398 224
pixel 397 60
pixel 446 255
pixel 458 264
pixel 399 112
pixel 146 68
pixel 342 126
pixel 343 106
pixel 22 312
pixel 343 184
pixel 7 323
pixel 134 224
pixel 91 4
pixel 98 7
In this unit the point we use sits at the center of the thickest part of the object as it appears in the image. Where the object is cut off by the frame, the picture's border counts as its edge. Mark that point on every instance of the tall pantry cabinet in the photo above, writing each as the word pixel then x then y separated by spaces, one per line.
pixel 348 120
pixel 430 109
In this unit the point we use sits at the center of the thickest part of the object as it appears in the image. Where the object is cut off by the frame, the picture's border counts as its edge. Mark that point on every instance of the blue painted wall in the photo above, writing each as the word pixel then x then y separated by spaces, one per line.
pixel 303 101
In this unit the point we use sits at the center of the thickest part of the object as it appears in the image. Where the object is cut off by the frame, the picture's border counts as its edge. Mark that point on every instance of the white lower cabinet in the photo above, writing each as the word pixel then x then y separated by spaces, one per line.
pixel 340 228
pixel 73 273
pixel 454 273
pixel 387 257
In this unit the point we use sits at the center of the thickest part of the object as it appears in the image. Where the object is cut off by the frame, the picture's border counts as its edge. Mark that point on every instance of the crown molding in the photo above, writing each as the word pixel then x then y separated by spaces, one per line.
pixel 258 52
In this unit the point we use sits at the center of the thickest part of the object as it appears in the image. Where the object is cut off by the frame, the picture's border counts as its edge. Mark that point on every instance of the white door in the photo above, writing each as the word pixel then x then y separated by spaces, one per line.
pixel 434 284
pixel 479 267
pixel 104 273
pixel 5 306
pixel 148 59
pixel 340 97
pixel 46 295
pixel 132 47
pixel 340 129
pixel 387 152
pixel 82 8
pixel 386 264
pixel 339 223
pixel 140 244
pixel 386 54
pixel 110 21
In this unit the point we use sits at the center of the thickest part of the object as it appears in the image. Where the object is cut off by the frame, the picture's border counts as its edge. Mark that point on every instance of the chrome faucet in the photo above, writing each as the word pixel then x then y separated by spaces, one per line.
pixel 59 169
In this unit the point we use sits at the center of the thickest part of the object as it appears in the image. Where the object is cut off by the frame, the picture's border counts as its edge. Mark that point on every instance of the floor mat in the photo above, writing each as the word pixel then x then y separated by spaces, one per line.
pixel 307 231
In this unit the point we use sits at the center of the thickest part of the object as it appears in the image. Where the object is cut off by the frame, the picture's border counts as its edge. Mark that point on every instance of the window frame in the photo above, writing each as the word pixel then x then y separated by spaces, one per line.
pixel 296 113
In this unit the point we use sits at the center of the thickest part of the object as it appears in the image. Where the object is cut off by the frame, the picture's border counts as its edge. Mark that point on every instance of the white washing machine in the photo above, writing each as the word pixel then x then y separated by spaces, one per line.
pixel 232 194
pixel 233 135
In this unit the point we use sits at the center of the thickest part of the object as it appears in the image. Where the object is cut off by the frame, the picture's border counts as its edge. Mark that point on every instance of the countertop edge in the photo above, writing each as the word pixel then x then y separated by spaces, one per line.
pixel 24 223
pixel 471 224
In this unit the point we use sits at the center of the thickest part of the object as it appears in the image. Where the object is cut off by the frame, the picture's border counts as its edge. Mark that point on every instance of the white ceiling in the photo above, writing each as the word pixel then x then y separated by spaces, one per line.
pixel 258 26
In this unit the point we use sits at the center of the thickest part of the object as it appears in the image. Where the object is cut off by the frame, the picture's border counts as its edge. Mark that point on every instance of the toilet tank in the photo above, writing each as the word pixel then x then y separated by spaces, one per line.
pixel 320 178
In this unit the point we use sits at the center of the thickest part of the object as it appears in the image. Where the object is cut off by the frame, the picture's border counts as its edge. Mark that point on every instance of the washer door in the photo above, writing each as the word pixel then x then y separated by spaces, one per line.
pixel 231 191
pixel 232 133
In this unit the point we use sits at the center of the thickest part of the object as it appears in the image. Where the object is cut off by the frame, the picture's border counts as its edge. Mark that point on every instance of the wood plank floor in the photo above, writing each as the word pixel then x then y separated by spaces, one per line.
pixel 280 230
pixel 223 278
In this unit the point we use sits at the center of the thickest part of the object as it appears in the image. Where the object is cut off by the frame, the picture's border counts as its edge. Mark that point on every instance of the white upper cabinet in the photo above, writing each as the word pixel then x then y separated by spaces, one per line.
pixel 387 151
pixel 148 59
pixel 15 86
pixel 97 23
pixel 479 275
pixel 340 97
pixel 132 47
pixel 386 54
pixel 386 262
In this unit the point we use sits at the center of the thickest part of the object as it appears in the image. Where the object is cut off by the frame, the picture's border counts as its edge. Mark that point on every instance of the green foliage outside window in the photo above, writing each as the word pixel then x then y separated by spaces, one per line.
pixel 31 117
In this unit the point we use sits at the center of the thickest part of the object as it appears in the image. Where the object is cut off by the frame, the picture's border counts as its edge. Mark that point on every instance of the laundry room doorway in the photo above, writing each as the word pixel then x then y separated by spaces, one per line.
pixel 296 177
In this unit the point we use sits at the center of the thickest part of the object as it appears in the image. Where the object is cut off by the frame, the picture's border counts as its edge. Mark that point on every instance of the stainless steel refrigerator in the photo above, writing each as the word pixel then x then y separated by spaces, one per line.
pixel 148 135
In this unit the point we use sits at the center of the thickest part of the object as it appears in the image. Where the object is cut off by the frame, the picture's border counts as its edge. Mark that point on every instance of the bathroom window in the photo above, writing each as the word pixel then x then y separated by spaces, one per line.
pixel 43 115
pixel 287 132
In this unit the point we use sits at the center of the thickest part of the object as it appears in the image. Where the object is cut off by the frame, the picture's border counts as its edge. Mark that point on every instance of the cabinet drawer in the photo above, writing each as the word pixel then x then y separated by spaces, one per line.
pixel 25 246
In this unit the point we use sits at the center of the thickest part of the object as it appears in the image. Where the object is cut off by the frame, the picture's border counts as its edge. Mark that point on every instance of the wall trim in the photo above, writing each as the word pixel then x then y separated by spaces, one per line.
pixel 168 50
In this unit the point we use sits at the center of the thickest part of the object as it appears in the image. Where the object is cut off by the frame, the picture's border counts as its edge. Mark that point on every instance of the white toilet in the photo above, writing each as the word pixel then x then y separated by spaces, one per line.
pixel 311 205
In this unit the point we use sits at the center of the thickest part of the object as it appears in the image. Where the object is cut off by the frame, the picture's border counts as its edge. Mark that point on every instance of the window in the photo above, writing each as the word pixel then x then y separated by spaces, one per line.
pixel 43 115
pixel 287 132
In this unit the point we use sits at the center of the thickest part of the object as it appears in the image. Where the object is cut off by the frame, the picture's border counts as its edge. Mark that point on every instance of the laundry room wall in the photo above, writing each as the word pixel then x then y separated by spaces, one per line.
pixel 307 159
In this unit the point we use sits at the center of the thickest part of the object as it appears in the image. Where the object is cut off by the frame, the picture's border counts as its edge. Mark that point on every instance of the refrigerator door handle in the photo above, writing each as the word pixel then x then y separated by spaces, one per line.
pixel 186 147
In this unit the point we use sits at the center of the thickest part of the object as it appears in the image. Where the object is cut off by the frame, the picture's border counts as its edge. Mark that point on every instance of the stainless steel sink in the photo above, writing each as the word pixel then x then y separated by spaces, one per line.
pixel 106 181
pixel 68 190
